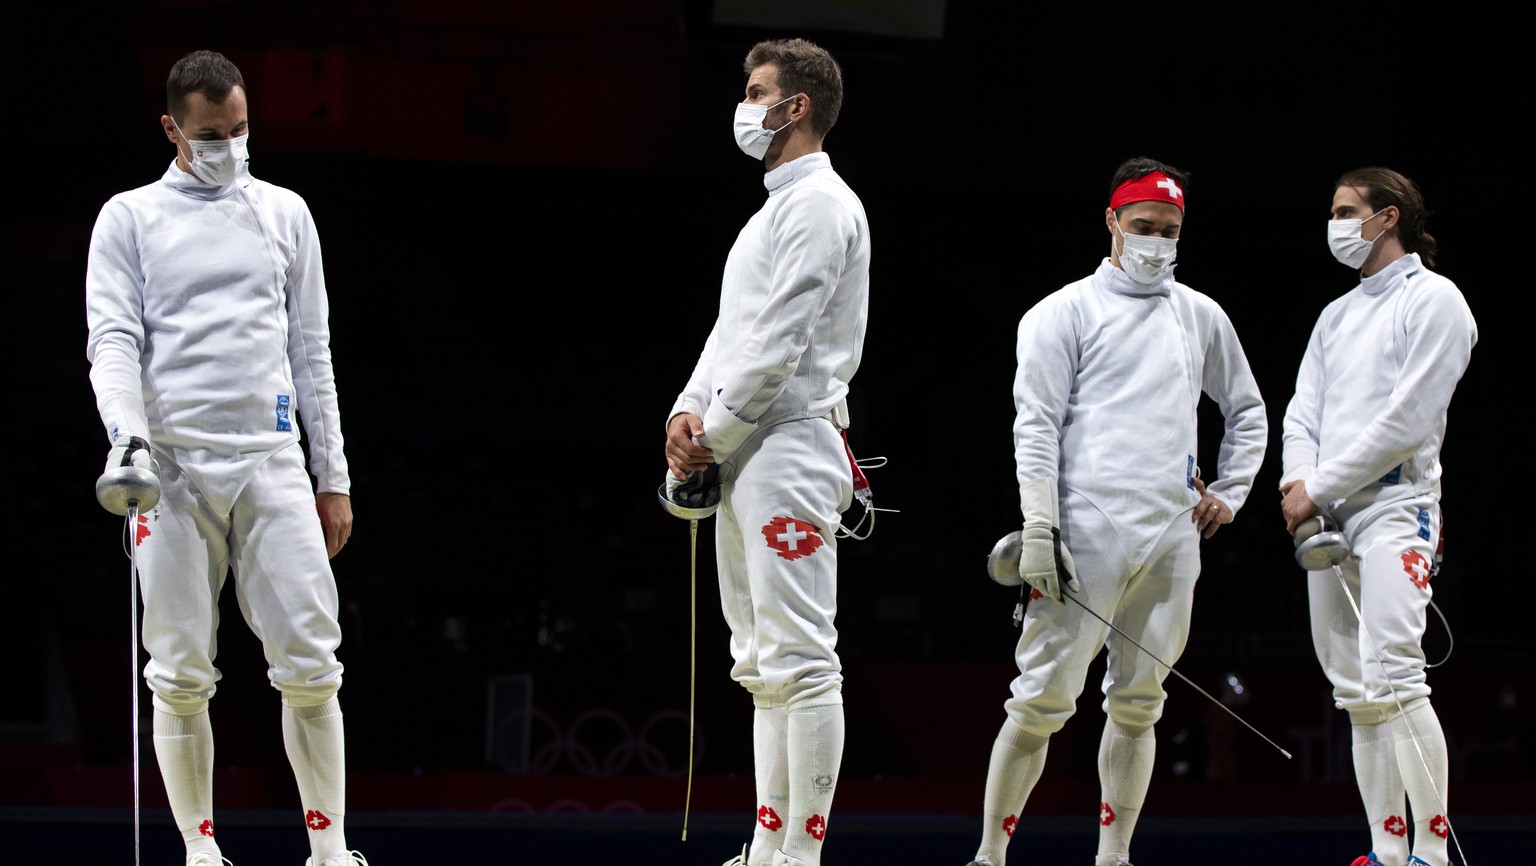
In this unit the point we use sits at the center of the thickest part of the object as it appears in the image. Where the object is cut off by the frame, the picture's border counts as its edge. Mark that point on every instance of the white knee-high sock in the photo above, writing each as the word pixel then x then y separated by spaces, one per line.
pixel 770 760
pixel 1017 760
pixel 1126 756
pixel 316 746
pixel 815 759
pixel 1421 745
pixel 184 750
pixel 1381 785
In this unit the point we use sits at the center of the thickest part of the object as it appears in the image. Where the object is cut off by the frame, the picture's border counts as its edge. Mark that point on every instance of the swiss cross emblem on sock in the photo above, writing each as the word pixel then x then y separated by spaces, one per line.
pixel 816 827
pixel 314 820
pixel 1106 814
pixel 1395 825
pixel 1439 826
pixel 141 531
pixel 792 538
pixel 768 818
pixel 205 828
pixel 1010 824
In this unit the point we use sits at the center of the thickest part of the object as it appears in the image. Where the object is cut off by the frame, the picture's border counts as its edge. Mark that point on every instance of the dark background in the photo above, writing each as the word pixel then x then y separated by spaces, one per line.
pixel 525 208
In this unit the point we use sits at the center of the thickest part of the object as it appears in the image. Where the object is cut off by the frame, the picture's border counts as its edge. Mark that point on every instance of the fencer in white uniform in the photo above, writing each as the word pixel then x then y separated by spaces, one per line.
pixel 208 339
pixel 1361 443
pixel 1110 373
pixel 764 405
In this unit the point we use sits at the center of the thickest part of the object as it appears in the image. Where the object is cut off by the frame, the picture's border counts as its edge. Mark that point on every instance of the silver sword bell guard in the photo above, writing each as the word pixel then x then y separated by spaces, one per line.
pixel 1003 561
pixel 121 486
pixel 1319 544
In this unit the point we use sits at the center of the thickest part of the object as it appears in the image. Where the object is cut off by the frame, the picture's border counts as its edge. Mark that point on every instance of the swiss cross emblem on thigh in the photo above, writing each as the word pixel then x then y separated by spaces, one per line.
pixel 1417 567
pixel 791 538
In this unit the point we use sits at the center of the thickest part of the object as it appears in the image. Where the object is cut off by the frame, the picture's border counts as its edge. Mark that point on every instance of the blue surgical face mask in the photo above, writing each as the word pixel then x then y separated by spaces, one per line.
pixel 751 137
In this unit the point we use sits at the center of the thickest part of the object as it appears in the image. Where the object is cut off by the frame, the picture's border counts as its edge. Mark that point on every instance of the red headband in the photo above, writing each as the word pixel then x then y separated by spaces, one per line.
pixel 1154 186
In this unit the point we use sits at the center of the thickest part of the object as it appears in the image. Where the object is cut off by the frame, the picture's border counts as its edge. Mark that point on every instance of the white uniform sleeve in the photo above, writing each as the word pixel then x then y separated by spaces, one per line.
pixel 695 396
pixel 1047 353
pixel 114 308
pixel 1300 429
pixel 309 355
pixel 810 240
pixel 1229 381
pixel 1437 347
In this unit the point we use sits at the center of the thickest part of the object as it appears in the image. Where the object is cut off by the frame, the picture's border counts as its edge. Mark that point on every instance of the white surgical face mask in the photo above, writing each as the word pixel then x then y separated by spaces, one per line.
pixel 1147 258
pixel 217 162
pixel 751 137
pixel 1346 243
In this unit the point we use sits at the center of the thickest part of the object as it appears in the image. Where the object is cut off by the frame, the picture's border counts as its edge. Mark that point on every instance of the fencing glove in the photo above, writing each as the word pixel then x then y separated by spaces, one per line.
pixel 131 478
pixel 1044 562
pixel 133 451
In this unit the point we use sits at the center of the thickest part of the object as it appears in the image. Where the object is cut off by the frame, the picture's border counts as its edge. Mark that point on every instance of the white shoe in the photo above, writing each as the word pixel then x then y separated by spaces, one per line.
pixel 981 861
pixel 207 858
pixel 782 859
pixel 351 858
pixel 738 860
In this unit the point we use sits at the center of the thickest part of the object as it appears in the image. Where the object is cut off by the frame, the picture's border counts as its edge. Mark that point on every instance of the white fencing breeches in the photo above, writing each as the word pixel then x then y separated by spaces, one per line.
pixel 776 553
pixel 269 537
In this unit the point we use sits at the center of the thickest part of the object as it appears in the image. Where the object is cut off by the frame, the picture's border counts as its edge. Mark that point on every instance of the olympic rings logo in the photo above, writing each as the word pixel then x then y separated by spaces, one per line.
pixel 602 742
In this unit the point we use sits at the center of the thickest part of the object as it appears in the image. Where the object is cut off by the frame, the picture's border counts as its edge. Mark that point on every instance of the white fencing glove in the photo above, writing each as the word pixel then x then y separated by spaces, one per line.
pixel 132 451
pixel 131 478
pixel 1044 562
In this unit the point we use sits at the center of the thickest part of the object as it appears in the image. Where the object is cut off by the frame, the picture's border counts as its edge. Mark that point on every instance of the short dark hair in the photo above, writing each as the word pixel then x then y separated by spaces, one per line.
pixel 804 67
pixel 1140 166
pixel 207 72
pixel 1383 188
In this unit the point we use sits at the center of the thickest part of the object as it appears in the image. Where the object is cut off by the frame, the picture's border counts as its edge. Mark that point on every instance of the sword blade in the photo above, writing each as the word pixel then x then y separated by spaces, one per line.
pixel 133 655
pixel 693 644
pixel 1173 670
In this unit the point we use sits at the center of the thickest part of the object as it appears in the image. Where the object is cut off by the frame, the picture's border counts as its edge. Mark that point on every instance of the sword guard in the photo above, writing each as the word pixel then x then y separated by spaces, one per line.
pixel 124 486
pixel 694 498
pixel 1319 544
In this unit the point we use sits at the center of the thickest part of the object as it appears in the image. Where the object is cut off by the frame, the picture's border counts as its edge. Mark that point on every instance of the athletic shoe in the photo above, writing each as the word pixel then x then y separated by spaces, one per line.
pixel 351 858
pixel 981 861
pixel 782 859
pixel 1367 860
pixel 738 860
pixel 1417 861
pixel 207 858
